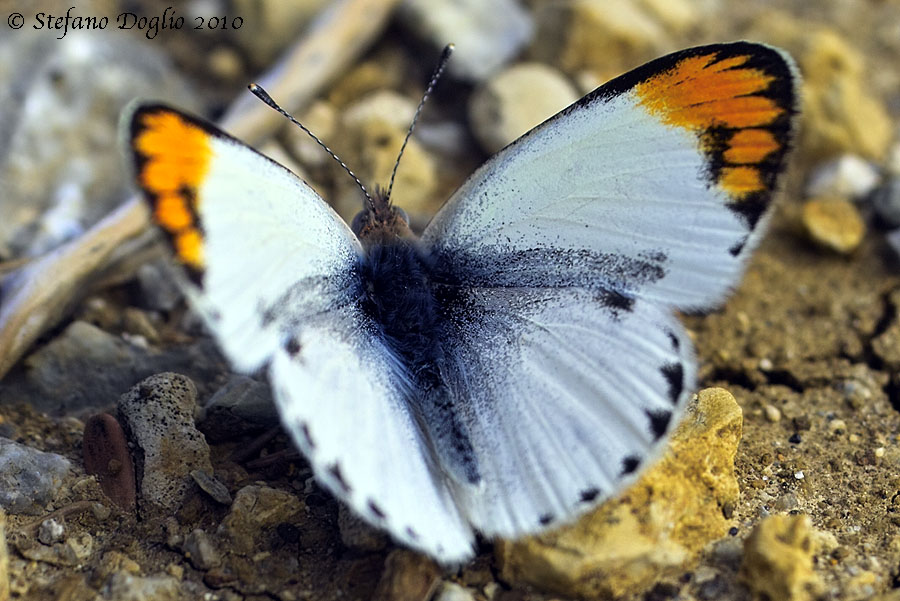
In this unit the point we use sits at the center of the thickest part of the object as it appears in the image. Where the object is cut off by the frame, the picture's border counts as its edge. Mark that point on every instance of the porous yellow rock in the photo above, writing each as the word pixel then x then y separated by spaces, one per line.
pixel 656 528
pixel 778 557
pixel 834 223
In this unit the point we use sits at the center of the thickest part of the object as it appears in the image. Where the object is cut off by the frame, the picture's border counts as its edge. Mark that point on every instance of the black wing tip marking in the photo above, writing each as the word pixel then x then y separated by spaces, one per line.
pixel 376 510
pixel 781 90
pixel 546 519
pixel 149 108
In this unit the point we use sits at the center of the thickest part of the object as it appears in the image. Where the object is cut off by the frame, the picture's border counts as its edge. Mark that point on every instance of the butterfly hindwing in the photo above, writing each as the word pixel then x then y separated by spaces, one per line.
pixel 345 401
pixel 566 396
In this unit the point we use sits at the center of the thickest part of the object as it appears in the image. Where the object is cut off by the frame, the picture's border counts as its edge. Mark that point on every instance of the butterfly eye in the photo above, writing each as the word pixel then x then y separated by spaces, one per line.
pixel 398 212
pixel 359 222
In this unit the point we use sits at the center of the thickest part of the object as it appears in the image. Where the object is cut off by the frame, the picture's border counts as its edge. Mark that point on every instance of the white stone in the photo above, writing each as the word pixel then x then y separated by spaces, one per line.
pixel 487 35
pixel 848 176
pixel 515 101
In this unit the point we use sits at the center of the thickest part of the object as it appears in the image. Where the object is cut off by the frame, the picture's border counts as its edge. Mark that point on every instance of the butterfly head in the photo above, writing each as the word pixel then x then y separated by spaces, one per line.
pixel 380 222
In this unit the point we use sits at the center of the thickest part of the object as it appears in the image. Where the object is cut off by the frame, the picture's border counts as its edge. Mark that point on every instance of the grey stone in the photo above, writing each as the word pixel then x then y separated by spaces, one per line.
pixel 357 534
pixel 487 34
pixel 86 368
pixel 124 586
pixel 893 238
pixel 159 291
pixel 158 416
pixel 29 478
pixel 60 160
pixel 211 486
pixel 201 551
pixel 242 405
pixel 51 531
pixel 506 107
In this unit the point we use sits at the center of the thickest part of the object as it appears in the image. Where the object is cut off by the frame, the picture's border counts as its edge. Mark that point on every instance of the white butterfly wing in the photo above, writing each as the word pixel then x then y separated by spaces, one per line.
pixel 565 396
pixel 275 273
pixel 560 260
pixel 657 182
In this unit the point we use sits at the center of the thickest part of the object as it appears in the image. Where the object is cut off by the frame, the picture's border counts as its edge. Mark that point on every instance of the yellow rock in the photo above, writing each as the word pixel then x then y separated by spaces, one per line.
pixel 656 528
pixel 600 35
pixel 778 558
pixel 840 114
pixel 834 223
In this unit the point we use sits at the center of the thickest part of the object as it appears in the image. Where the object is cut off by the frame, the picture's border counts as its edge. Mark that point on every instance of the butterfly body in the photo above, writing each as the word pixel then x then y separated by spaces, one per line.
pixel 520 361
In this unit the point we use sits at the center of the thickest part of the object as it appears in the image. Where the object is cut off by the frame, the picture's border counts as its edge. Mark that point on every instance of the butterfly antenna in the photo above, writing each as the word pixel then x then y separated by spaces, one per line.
pixel 264 96
pixel 438 71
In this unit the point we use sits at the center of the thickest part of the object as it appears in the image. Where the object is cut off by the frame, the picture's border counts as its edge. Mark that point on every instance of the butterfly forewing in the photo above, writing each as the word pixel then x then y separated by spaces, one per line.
pixel 656 184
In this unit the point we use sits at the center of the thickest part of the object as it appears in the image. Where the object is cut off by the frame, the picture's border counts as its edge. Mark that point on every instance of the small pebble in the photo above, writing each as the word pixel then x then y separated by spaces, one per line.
pixel 786 502
pixel 211 486
pixel 773 413
pixel 834 223
pixel 799 475
pixel 81 546
pixel 450 591
pixel 846 177
pixel 879 452
pixel 200 550
pixel 765 364
pixel 51 531
pixel 837 426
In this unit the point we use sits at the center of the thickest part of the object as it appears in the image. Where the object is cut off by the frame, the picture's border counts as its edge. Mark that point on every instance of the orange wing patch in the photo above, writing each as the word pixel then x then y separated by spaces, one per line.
pixel 725 101
pixel 173 154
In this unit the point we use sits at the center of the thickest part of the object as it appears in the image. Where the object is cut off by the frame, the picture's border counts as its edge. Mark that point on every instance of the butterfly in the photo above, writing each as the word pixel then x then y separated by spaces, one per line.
pixel 519 362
